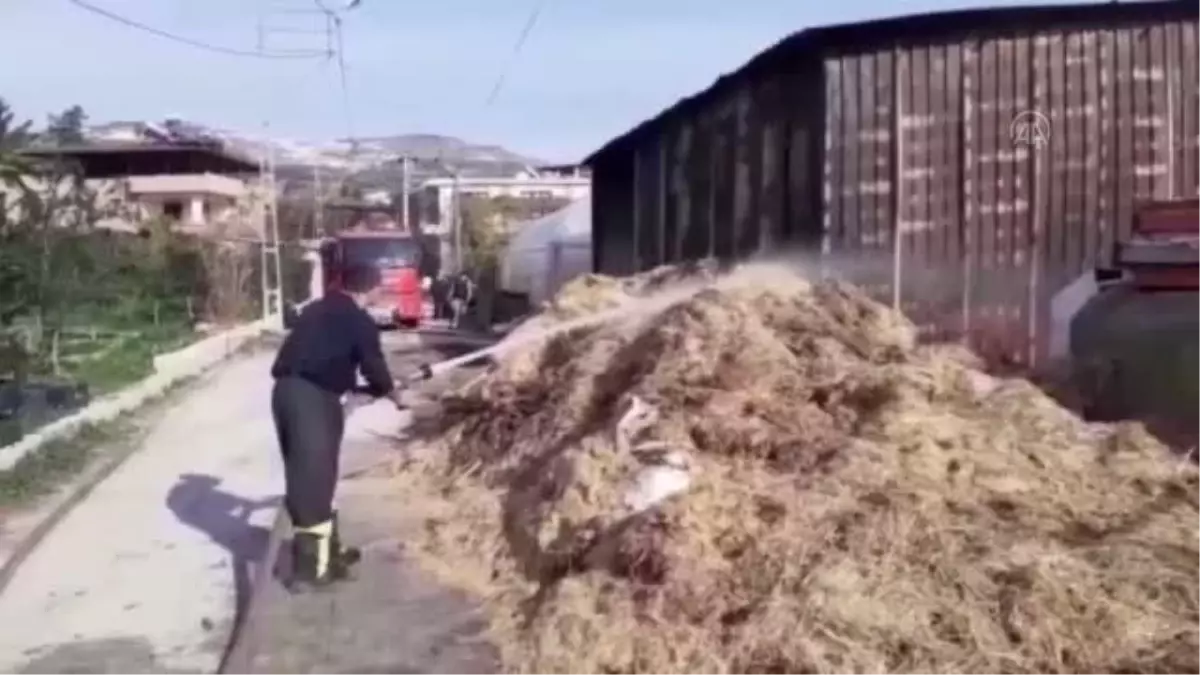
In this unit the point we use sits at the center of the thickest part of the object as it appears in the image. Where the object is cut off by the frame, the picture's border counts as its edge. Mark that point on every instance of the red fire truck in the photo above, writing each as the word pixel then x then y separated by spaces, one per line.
pixel 400 257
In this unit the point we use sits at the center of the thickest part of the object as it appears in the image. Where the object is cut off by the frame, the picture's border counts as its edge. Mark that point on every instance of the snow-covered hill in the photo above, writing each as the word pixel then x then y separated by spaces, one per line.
pixel 369 161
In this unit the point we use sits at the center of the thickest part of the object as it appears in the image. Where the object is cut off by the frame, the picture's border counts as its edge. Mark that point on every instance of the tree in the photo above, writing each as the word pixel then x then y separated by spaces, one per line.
pixel 66 128
pixel 13 170
pixel 39 255
pixel 13 135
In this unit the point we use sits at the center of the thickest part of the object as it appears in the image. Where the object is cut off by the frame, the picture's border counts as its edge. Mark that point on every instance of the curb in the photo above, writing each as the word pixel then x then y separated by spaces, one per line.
pixel 167 370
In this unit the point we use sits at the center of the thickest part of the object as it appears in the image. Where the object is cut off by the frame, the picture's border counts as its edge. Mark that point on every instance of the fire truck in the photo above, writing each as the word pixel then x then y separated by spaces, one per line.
pixel 406 264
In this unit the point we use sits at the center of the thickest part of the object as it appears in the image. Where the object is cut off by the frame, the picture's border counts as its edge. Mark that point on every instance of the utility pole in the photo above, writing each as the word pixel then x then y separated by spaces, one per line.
pixel 456 211
pixel 404 215
pixel 272 273
pixel 278 292
pixel 319 205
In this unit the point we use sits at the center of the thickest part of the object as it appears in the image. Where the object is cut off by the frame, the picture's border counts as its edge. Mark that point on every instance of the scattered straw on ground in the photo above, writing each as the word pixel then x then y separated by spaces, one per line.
pixel 859 503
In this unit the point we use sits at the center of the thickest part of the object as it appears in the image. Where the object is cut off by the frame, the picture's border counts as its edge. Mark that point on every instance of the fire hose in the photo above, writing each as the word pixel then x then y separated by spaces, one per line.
pixel 429 371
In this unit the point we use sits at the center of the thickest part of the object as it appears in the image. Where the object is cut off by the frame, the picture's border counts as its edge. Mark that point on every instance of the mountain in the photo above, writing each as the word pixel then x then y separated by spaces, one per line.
pixel 367 163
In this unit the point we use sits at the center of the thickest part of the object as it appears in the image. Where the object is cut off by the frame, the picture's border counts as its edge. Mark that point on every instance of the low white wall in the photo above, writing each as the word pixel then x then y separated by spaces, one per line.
pixel 168 369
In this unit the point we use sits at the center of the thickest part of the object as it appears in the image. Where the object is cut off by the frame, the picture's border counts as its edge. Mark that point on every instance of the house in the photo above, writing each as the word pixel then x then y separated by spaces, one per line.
pixel 966 165
pixel 199 187
pixel 565 170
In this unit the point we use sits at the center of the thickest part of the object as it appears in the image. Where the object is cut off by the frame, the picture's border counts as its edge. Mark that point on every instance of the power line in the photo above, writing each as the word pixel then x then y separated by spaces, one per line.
pixel 339 51
pixel 520 44
pixel 228 51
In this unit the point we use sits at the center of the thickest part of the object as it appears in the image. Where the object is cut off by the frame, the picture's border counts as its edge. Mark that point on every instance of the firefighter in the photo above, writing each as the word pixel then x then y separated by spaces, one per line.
pixel 439 294
pixel 331 340
pixel 462 293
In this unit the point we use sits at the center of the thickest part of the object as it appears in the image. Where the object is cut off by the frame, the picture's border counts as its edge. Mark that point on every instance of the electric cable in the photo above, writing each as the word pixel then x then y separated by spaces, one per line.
pixel 520 44
pixel 218 49
pixel 340 55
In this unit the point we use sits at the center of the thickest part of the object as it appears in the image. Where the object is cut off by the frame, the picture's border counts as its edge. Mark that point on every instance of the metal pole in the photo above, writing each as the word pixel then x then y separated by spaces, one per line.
pixel 404 215
pixel 275 236
pixel 263 216
pixel 319 198
pixel 456 201
pixel 898 177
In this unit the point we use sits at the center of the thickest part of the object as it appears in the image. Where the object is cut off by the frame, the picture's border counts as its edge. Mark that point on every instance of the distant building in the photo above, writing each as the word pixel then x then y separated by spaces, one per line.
pixel 565 170
pixel 199 187
pixel 378 197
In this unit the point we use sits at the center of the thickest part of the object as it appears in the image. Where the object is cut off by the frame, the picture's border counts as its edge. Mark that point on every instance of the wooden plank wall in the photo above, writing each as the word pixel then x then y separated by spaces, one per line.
pixel 720 183
pixel 1015 164
pixel 919 138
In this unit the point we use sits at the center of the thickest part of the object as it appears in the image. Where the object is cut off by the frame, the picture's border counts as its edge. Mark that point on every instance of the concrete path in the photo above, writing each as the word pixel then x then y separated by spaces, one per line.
pixel 145 574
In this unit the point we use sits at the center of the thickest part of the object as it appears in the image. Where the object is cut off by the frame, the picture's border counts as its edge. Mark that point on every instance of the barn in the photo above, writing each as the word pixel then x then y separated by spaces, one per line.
pixel 963 165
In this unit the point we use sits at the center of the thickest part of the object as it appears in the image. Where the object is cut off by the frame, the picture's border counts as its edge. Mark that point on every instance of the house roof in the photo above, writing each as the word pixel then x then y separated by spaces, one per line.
pixel 931 27
pixel 110 159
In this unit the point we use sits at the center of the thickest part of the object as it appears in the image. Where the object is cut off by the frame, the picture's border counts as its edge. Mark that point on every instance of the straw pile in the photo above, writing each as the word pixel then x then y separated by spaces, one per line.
pixel 857 503
pixel 592 294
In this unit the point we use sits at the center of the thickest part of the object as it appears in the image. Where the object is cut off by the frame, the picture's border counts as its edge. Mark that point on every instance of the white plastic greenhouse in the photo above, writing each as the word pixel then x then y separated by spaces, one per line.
pixel 549 251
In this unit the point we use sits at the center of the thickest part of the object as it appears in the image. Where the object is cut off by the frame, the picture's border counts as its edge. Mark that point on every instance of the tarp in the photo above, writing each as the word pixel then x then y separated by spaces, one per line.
pixel 549 251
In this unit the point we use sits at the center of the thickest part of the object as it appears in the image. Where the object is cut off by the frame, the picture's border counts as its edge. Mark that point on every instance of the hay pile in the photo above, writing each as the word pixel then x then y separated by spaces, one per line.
pixel 859 503
pixel 592 294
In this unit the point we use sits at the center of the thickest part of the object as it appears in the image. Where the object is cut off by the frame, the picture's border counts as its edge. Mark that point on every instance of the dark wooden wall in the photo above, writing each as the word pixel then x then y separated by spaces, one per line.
pixel 840 150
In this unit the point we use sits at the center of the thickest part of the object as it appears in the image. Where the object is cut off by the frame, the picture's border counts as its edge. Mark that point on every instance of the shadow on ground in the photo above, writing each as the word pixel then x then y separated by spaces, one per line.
pixel 121 656
pixel 199 502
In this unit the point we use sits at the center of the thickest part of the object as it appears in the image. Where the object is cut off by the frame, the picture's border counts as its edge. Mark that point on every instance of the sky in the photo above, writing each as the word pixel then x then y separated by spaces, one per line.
pixel 589 69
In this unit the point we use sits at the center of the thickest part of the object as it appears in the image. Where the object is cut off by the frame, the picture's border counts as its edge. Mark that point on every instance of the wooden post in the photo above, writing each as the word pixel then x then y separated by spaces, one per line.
pixel 1036 222
pixel 662 200
pixel 637 212
pixel 898 181
pixel 1172 71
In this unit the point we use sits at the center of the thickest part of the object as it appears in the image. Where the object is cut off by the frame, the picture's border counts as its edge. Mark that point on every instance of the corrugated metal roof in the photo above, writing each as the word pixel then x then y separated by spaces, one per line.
pixel 938 26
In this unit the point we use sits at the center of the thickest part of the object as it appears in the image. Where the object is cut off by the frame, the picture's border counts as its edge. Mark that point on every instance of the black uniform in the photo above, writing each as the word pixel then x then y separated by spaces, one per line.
pixel 462 293
pixel 439 292
pixel 332 339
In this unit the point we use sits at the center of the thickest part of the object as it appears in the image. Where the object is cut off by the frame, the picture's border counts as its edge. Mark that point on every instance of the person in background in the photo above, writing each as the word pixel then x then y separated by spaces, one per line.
pixel 331 340
pixel 439 295
pixel 462 293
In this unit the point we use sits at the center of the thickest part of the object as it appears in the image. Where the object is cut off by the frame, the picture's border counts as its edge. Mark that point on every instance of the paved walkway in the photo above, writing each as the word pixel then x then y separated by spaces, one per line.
pixel 145 574
pixel 148 573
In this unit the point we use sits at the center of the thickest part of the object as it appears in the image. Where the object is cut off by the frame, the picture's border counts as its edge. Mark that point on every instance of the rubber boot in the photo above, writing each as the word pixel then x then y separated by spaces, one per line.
pixel 313 564
pixel 310 565
pixel 345 557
